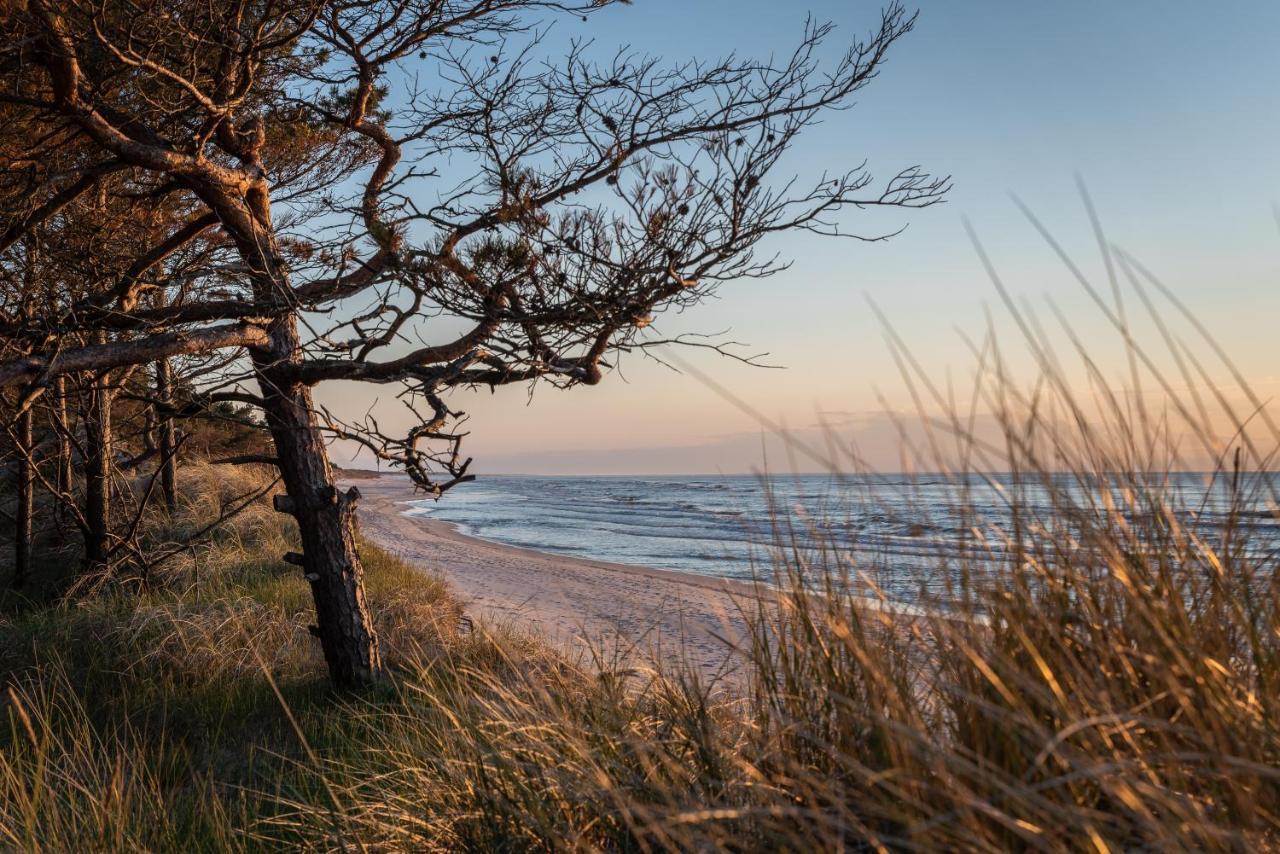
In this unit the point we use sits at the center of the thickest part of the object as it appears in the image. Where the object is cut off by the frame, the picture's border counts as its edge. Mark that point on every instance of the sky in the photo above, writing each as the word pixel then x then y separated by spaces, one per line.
pixel 1165 110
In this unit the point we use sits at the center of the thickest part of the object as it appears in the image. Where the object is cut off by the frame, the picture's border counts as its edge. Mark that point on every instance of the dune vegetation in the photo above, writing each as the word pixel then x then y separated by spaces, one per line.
pixel 209 211
pixel 1105 677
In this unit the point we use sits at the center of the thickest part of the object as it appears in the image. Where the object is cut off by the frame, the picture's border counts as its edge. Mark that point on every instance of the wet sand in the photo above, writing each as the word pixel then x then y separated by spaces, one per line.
pixel 582 605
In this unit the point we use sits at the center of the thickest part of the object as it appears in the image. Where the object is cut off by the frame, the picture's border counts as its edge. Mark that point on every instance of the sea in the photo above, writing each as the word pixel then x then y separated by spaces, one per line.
pixel 902 527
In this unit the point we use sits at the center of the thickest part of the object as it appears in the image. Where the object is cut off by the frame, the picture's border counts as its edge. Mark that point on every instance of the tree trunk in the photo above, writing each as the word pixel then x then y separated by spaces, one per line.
pixel 63 428
pixel 26 484
pixel 166 443
pixel 97 476
pixel 329 560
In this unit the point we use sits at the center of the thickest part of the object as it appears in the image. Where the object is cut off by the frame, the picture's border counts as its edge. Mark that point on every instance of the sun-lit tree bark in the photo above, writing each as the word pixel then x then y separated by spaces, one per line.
pixel 402 192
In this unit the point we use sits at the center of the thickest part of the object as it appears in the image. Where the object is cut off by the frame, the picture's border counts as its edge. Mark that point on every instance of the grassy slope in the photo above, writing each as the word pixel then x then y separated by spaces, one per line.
pixel 147 719
pixel 196 715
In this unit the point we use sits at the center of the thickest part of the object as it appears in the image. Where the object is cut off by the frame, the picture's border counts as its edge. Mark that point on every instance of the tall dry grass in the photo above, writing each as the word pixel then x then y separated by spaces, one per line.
pixel 165 715
pixel 1099 670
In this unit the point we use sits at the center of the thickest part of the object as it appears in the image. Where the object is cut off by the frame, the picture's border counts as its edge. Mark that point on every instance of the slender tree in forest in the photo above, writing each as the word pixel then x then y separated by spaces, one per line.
pixel 62 431
pixel 403 192
pixel 24 514
pixel 165 438
pixel 98 468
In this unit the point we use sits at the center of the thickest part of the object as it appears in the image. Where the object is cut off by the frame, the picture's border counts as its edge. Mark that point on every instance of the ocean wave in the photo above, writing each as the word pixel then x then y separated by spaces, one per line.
pixel 720 526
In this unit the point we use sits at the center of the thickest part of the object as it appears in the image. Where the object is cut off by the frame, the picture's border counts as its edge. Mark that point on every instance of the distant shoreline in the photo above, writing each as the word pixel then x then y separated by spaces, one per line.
pixel 341 473
pixel 355 474
pixel 575 602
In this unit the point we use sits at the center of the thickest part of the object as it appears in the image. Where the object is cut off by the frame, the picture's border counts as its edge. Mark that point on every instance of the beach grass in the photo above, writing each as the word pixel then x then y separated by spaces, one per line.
pixel 1101 671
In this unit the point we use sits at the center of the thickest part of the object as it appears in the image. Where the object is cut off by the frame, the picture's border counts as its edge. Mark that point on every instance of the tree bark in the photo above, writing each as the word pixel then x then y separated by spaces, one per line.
pixel 330 561
pixel 325 516
pixel 102 356
pixel 63 428
pixel 97 476
pixel 62 474
pixel 26 488
pixel 166 443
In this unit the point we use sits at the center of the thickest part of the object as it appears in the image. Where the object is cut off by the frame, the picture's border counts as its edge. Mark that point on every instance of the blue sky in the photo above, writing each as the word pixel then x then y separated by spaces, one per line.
pixel 1166 109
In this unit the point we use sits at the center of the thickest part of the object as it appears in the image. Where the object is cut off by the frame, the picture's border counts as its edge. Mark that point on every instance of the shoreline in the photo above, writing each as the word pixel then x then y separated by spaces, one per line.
pixel 585 605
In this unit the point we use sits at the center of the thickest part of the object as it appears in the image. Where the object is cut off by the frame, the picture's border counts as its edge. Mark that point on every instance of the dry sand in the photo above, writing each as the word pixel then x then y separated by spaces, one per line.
pixel 579 604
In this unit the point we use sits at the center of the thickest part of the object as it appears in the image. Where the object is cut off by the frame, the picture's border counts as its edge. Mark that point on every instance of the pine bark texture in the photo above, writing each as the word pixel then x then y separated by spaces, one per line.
pixel 26 489
pixel 97 477
pixel 63 427
pixel 330 561
pixel 166 438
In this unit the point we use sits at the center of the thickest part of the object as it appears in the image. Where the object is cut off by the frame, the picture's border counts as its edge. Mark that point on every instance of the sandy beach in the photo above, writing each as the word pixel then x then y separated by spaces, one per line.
pixel 635 612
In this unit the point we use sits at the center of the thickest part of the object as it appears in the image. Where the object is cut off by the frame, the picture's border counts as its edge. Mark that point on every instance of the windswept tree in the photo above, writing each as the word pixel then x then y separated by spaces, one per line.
pixel 404 192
